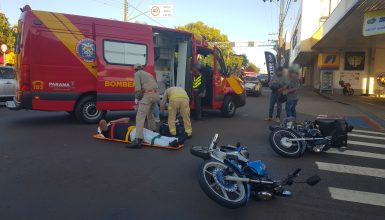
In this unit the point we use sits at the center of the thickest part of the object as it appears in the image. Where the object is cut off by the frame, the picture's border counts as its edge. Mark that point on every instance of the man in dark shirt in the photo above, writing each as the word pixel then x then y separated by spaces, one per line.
pixel 276 84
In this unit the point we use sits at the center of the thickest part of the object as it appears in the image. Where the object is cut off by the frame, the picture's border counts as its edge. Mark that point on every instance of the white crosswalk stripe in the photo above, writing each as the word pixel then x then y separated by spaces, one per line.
pixel 368 132
pixel 357 196
pixel 357 153
pixel 367 136
pixel 367 141
pixel 358 170
pixel 368 144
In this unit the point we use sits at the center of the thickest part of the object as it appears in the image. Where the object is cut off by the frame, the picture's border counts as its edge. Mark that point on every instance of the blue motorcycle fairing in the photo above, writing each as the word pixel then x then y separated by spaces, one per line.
pixel 258 167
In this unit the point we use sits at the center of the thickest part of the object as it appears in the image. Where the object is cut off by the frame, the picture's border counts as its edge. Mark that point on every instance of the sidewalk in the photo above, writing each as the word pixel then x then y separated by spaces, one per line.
pixel 370 107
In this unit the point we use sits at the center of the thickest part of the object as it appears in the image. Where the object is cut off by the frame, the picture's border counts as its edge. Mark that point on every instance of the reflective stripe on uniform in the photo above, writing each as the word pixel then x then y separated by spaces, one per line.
pixel 112 130
pixel 173 131
pixel 197 81
pixel 129 129
pixel 189 131
pixel 180 95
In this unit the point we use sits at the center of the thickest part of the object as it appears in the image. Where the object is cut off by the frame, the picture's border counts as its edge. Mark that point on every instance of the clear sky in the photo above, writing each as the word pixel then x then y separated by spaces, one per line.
pixel 242 20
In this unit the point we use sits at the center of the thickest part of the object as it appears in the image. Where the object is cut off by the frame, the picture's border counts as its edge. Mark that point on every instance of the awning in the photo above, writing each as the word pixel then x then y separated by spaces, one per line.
pixel 347 32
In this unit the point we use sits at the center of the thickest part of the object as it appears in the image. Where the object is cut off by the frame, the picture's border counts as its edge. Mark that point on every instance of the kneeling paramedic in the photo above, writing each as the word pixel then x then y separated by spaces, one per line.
pixel 123 130
pixel 147 93
pixel 179 102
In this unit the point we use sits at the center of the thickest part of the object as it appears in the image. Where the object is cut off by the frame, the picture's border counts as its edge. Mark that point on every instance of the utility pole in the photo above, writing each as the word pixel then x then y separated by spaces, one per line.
pixel 282 15
pixel 281 50
pixel 125 10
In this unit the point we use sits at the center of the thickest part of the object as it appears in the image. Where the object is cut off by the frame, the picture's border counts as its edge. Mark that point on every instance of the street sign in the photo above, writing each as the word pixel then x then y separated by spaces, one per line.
pixel 374 23
pixel 4 48
pixel 162 11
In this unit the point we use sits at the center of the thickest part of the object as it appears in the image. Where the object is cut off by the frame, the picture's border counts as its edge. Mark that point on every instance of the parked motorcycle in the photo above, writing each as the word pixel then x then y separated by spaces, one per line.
pixel 292 140
pixel 230 179
pixel 347 88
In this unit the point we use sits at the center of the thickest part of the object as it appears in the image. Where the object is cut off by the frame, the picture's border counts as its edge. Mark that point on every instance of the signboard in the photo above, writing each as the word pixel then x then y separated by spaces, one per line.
pixel 352 78
pixel 355 61
pixel 271 63
pixel 161 11
pixel 374 23
pixel 329 60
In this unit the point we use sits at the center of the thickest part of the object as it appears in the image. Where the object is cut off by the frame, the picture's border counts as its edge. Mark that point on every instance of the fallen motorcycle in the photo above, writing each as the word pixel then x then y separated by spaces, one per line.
pixel 292 140
pixel 230 179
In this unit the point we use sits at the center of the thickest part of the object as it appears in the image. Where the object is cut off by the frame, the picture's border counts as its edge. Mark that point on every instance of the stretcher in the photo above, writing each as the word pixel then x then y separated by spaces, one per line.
pixel 101 137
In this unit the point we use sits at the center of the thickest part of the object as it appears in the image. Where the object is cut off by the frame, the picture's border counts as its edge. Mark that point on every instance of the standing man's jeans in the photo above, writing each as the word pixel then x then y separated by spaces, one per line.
pixel 290 108
pixel 274 100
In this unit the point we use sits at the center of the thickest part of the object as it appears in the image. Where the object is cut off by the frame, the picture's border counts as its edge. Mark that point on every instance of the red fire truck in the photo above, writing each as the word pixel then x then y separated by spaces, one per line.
pixel 84 65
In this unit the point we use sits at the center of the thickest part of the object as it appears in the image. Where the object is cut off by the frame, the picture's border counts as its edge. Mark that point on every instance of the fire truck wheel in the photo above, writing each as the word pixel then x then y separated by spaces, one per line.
pixel 229 108
pixel 87 112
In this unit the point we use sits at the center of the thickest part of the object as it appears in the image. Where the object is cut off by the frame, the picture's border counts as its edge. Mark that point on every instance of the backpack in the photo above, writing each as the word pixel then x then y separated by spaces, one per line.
pixel 164 130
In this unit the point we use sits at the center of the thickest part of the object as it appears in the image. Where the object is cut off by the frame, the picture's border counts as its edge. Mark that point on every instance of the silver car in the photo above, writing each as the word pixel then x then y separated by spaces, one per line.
pixel 7 82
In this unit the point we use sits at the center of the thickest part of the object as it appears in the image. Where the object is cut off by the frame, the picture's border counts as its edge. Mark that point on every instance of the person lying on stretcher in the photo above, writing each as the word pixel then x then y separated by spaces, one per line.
pixel 122 129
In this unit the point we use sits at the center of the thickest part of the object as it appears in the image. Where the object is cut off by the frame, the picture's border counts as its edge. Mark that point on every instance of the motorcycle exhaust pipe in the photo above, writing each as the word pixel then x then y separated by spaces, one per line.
pixel 246 180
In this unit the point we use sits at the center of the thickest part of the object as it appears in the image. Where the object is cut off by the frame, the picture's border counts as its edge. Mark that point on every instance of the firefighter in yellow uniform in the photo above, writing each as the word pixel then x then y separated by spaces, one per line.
pixel 147 94
pixel 178 102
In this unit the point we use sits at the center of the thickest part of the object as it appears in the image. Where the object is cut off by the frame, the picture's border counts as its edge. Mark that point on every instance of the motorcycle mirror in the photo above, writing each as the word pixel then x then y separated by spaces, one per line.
pixel 313 180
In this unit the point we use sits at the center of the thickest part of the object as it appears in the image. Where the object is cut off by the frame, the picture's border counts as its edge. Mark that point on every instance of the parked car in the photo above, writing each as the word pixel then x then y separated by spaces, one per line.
pixel 7 82
pixel 253 86
pixel 264 78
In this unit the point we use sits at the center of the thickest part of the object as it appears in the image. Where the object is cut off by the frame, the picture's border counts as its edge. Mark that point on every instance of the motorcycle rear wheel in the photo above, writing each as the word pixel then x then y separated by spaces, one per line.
pixel 229 194
pixel 279 141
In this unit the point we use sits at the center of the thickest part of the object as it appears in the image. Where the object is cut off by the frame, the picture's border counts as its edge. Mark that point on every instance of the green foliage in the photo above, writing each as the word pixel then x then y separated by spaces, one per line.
pixel 7 33
pixel 251 67
pixel 213 35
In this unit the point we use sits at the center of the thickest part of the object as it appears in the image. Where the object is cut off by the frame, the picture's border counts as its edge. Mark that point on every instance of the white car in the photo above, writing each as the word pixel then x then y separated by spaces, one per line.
pixel 7 82
pixel 253 86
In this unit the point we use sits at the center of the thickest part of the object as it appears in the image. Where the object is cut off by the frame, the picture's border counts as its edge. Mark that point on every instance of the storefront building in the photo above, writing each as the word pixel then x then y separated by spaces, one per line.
pixel 347 44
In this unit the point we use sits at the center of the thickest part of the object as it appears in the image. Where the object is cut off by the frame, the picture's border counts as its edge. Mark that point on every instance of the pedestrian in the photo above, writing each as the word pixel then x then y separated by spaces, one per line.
pixel 179 102
pixel 199 88
pixel 291 91
pixel 147 94
pixel 276 84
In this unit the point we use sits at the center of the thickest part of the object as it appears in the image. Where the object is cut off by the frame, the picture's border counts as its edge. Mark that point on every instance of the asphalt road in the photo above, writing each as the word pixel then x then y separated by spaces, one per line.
pixel 51 168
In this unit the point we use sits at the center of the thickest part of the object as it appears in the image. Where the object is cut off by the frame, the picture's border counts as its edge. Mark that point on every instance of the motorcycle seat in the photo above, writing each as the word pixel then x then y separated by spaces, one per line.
pixel 325 122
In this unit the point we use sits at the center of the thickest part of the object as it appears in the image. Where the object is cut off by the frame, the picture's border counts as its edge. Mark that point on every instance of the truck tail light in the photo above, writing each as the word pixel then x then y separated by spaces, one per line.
pixel 25 78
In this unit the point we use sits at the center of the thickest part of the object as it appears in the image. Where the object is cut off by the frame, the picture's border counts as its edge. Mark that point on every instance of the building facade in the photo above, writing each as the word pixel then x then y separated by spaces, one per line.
pixel 340 40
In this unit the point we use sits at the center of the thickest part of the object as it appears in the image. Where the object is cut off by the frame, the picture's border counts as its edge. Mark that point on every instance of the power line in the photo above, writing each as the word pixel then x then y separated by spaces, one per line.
pixel 113 4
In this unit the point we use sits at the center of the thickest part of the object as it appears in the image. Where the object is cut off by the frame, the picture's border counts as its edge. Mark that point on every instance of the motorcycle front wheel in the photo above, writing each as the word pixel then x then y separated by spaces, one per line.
pixel 229 194
pixel 282 145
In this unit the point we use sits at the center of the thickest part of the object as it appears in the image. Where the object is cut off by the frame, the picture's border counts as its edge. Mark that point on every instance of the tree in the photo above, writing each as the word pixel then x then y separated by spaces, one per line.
pixel 251 67
pixel 7 33
pixel 214 35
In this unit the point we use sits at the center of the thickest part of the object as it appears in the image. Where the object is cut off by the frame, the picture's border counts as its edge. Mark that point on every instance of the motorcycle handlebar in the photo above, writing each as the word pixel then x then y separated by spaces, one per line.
pixel 296 172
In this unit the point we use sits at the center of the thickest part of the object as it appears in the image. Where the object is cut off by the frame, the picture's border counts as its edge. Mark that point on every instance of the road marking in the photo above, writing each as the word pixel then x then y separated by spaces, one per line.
pixel 341 168
pixel 368 132
pixel 357 153
pixel 367 136
pixel 366 144
pixel 357 196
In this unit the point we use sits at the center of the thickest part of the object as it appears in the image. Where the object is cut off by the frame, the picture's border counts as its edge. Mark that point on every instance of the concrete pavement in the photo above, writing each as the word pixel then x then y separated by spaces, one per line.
pixel 51 168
